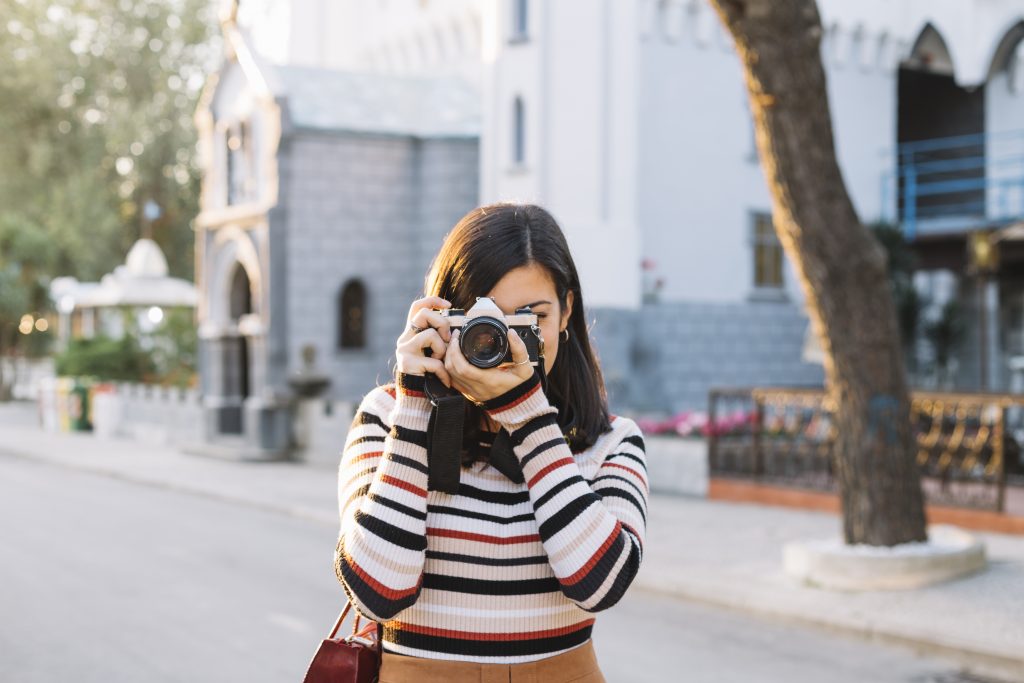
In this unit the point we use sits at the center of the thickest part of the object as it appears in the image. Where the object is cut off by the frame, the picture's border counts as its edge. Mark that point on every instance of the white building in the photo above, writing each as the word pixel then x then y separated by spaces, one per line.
pixel 628 119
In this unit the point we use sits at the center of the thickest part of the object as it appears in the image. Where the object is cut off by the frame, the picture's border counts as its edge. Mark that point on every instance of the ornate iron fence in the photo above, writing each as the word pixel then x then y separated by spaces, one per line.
pixel 786 436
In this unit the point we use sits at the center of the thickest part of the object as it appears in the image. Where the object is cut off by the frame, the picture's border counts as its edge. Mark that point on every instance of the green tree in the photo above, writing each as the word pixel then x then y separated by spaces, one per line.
pixel 96 123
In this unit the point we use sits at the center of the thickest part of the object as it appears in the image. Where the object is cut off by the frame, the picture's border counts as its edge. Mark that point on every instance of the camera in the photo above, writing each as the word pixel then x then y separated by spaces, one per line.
pixel 483 339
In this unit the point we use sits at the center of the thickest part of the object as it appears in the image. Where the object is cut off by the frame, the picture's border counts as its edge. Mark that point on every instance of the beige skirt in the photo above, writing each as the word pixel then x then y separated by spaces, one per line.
pixel 578 665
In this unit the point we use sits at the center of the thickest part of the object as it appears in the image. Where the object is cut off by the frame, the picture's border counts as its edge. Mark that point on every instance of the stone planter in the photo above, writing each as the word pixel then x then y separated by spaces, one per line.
pixel 949 553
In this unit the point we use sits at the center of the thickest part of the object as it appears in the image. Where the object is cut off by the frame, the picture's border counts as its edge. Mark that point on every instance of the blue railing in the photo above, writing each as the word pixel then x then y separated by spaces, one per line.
pixel 956 183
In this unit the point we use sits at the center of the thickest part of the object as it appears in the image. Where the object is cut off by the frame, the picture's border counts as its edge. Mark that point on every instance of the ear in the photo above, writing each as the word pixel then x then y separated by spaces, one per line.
pixel 568 309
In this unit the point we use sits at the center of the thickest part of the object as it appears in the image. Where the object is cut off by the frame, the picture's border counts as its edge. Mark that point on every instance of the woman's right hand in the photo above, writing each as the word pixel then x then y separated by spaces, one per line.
pixel 435 335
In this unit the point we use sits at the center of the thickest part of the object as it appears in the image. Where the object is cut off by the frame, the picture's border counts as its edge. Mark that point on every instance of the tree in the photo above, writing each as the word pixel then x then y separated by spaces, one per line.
pixel 842 268
pixel 96 123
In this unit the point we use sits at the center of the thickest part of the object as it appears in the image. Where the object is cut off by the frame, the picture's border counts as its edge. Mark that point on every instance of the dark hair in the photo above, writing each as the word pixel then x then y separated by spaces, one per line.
pixel 485 245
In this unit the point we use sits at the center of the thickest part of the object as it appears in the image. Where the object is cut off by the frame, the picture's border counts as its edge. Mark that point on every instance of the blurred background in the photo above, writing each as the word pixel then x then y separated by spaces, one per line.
pixel 215 214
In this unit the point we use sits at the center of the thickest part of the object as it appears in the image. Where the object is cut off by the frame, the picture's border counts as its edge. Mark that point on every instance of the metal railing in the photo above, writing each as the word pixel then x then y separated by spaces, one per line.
pixel 964 181
pixel 788 439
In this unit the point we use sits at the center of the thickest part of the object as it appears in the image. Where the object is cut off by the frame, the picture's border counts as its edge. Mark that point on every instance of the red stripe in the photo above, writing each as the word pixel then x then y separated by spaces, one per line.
pixel 377 586
pixel 472 635
pixel 413 392
pixel 483 538
pixel 628 469
pixel 594 559
pixel 390 391
pixel 519 400
pixel 364 456
pixel 404 485
pixel 555 465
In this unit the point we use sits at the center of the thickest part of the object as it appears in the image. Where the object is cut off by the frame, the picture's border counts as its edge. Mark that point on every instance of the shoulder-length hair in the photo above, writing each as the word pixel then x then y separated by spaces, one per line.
pixel 485 245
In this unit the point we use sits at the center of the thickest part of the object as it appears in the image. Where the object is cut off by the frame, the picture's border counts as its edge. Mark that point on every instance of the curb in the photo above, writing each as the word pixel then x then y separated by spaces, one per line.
pixel 1000 661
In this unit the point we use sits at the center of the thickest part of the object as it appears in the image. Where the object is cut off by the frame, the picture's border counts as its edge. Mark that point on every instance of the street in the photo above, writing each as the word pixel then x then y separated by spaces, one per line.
pixel 109 580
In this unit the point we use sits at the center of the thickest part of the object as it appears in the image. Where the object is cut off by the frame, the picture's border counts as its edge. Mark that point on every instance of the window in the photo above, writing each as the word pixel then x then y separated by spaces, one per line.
pixel 519 21
pixel 239 168
pixel 768 255
pixel 518 132
pixel 352 316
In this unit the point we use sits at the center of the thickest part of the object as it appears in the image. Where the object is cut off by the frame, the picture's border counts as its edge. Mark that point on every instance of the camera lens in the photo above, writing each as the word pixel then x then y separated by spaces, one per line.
pixel 483 342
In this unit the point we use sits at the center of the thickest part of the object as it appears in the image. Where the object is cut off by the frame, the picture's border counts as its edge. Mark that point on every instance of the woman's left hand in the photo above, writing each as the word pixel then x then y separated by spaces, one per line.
pixel 481 385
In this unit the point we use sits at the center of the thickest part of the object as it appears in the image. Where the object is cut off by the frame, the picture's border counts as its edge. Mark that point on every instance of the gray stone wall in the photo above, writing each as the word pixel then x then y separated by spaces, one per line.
pixel 666 357
pixel 371 207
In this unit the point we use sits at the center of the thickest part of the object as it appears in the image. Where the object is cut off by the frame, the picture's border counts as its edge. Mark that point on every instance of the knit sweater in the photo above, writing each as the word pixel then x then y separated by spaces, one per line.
pixel 499 572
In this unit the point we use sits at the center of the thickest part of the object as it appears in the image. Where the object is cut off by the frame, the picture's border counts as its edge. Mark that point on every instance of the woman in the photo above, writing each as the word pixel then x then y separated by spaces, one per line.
pixel 501 580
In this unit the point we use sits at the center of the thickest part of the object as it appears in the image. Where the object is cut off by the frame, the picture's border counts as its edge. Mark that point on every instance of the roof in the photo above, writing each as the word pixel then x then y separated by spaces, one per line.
pixel 325 99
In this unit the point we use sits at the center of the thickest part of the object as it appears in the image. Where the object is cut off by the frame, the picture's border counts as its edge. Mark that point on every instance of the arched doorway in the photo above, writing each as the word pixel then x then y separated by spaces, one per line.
pixel 240 304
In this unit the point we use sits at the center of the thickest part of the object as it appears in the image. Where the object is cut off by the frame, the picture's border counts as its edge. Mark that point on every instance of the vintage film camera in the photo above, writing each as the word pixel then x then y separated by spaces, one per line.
pixel 484 332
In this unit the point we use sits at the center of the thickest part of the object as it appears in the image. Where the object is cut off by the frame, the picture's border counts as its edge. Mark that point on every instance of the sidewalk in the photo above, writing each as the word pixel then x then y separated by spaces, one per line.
pixel 720 553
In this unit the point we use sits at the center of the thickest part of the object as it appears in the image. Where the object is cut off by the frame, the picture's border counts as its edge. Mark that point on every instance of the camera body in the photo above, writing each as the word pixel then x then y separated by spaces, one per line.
pixel 483 338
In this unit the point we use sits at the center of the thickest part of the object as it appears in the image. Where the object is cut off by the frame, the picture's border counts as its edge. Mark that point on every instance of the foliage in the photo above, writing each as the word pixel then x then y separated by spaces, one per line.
pixel 174 348
pixel 96 122
pixel 108 359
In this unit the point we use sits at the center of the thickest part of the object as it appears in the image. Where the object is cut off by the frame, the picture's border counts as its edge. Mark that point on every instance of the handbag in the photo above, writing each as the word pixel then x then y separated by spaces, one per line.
pixel 347 659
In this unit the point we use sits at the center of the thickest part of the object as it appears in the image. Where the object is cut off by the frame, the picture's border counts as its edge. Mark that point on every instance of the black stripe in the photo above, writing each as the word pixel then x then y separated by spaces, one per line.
pixel 539 422
pixel 391 533
pixel 364 439
pixel 632 485
pixel 489 561
pixel 358 493
pixel 485 648
pixel 364 417
pixel 546 446
pixel 500 402
pixel 380 606
pixel 404 509
pixel 636 440
pixel 638 459
pixel 573 509
pixel 413 436
pixel 556 489
pixel 622 580
pixel 625 495
pixel 497 497
pixel 586 587
pixel 408 462
pixel 445 510
pixel 461 584
pixel 411 382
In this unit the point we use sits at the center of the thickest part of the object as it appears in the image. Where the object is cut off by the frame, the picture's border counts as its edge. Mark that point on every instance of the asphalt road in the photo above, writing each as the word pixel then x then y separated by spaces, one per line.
pixel 104 580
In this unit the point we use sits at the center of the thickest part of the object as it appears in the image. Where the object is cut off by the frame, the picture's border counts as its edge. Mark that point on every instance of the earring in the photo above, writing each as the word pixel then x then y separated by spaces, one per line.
pixel 566 330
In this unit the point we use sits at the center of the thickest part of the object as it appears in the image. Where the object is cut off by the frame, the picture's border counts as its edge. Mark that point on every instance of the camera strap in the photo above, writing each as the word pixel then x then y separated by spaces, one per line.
pixel 444 435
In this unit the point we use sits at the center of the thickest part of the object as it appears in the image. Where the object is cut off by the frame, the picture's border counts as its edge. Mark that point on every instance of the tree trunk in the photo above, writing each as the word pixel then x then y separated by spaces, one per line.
pixel 842 268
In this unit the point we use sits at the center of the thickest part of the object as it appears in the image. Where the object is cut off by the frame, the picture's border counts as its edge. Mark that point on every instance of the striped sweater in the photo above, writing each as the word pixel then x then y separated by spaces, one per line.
pixel 499 572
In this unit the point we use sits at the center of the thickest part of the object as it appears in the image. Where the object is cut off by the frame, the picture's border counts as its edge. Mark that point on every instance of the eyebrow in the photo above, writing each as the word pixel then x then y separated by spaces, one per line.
pixel 536 303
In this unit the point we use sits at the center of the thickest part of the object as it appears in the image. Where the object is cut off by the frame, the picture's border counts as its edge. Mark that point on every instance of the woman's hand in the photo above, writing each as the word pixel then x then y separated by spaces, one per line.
pixel 481 385
pixel 435 335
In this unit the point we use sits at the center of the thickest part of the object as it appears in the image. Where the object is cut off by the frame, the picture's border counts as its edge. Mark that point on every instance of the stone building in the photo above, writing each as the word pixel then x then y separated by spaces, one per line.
pixel 325 194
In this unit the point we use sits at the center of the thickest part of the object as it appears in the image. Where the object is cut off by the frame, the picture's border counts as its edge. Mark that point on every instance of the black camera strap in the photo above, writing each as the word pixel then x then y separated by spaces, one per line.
pixel 444 435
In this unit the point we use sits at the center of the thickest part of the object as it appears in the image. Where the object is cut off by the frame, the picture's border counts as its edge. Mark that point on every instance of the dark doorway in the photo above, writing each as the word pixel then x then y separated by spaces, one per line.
pixel 947 171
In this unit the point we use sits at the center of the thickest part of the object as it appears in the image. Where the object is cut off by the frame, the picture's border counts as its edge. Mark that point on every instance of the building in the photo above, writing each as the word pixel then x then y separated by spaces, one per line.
pixel 324 194
pixel 629 121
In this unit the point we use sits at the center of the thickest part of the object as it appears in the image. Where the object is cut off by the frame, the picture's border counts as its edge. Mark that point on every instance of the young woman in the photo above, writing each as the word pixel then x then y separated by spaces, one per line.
pixel 500 581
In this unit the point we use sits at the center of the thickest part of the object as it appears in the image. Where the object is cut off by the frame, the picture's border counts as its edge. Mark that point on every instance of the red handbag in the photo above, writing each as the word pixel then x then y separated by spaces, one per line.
pixel 349 659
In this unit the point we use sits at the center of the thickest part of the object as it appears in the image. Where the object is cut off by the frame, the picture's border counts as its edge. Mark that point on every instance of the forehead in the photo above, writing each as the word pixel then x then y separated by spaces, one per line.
pixel 522 286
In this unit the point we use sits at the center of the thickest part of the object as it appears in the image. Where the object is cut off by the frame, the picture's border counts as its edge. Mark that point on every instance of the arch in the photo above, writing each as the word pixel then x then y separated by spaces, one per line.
pixel 239 293
pixel 518 131
pixel 1004 50
pixel 232 248
pixel 352 315
pixel 930 52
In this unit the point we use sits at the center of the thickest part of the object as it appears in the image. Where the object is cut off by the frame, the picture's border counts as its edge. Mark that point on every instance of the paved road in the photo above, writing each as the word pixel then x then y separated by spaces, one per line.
pixel 105 580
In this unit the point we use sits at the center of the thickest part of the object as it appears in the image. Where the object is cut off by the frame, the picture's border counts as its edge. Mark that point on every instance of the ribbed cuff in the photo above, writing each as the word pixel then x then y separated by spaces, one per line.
pixel 412 407
pixel 521 403
pixel 411 385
